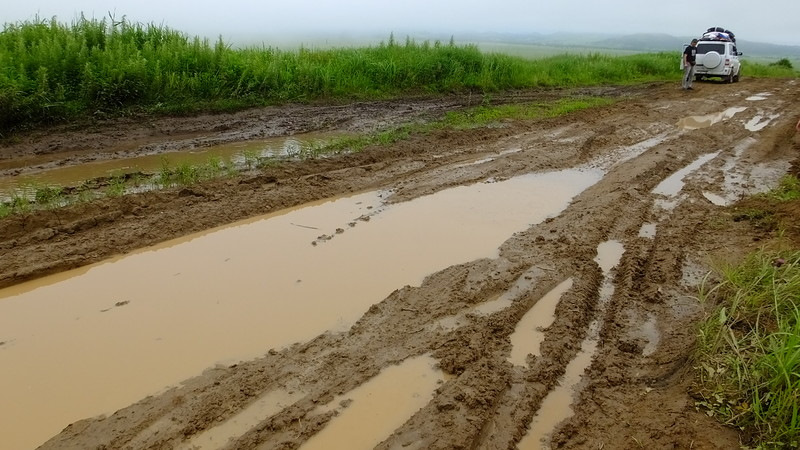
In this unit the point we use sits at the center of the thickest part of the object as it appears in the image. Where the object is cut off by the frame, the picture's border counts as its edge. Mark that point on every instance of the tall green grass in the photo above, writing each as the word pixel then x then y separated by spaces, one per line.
pixel 752 69
pixel 749 350
pixel 52 72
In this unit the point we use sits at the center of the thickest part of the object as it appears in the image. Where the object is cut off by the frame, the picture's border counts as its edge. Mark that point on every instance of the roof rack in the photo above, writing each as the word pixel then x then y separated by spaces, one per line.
pixel 718 34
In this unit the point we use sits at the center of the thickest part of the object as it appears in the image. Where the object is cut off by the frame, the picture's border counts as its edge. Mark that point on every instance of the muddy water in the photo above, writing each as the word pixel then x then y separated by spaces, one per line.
pixel 371 412
pixel 557 405
pixel 672 185
pixel 651 334
pixel 759 122
pixel 529 334
pixel 375 409
pixel 97 339
pixel 266 406
pixel 648 230
pixel 237 153
pixel 758 97
pixel 698 122
pixel 506 299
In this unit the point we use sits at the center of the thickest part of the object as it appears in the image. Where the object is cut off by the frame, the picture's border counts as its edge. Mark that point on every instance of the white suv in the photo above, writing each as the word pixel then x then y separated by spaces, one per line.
pixel 717 59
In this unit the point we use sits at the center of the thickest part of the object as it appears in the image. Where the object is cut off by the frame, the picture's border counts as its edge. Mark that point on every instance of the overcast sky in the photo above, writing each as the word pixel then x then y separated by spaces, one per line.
pixel 773 21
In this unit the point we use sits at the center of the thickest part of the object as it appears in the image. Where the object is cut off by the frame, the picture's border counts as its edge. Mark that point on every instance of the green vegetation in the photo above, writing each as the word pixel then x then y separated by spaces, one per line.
pixel 474 117
pixel 484 115
pixel 186 174
pixel 783 62
pixel 773 70
pixel 748 356
pixel 116 187
pixel 52 72
pixel 787 190
pixel 749 350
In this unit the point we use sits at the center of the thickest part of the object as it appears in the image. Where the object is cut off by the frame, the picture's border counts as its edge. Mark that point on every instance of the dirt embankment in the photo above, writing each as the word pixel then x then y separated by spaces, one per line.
pixel 634 392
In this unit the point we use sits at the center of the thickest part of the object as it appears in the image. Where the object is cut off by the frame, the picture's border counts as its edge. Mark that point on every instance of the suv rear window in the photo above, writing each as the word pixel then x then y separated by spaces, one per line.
pixel 704 48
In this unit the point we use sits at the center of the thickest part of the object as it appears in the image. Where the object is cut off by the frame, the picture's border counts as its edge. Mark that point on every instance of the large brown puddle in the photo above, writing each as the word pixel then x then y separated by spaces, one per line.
pixel 94 340
pixel 238 154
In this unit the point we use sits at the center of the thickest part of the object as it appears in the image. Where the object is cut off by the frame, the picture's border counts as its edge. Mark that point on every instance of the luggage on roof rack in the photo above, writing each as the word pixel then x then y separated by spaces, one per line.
pixel 718 34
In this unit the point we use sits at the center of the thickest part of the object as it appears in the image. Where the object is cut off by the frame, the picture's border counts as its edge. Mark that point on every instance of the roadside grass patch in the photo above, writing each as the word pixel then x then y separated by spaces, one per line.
pixel 748 354
pixel 479 116
pixel 787 190
pixel 485 115
pixel 760 218
pixel 748 358
pixel 116 186
pixel 773 70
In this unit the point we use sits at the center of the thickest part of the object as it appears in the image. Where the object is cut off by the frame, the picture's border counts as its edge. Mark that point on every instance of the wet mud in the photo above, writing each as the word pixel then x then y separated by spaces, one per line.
pixel 614 272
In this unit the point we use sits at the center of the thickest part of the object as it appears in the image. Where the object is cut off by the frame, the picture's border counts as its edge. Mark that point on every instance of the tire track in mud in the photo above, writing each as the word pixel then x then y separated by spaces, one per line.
pixel 632 391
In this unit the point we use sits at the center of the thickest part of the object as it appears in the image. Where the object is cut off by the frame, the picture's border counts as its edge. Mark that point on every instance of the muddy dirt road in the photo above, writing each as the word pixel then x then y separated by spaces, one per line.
pixel 572 330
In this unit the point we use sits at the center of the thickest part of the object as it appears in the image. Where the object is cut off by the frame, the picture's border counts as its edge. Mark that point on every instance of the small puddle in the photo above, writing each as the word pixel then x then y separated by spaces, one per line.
pixel 759 122
pixel 529 334
pixel 652 336
pixel 674 183
pixel 734 180
pixel 758 97
pixel 698 122
pixel 623 154
pixel 647 231
pixel 715 199
pixel 506 299
pixel 693 274
pixel 609 254
pixel 375 409
pixel 557 405
pixel 268 405
pixel 233 293
pixel 238 154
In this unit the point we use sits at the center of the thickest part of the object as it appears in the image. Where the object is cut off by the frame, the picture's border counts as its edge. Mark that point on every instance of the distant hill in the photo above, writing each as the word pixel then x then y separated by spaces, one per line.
pixel 582 42
pixel 666 42
pixel 642 42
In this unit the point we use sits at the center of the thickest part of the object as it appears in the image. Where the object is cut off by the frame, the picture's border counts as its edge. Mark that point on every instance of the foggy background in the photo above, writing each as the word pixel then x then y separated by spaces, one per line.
pixel 244 23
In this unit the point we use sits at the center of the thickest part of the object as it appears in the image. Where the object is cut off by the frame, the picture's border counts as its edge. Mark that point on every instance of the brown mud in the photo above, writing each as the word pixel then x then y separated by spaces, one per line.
pixel 634 392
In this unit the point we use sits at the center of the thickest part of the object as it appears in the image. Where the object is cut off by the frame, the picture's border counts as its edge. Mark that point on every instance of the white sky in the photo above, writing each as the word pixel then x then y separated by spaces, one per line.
pixel 773 21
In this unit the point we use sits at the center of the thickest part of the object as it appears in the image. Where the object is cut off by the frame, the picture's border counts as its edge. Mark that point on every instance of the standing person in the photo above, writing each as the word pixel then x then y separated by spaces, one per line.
pixel 689 56
pixel 797 127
